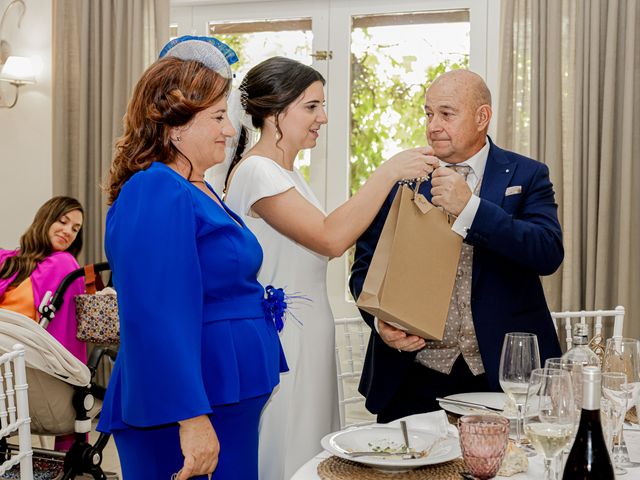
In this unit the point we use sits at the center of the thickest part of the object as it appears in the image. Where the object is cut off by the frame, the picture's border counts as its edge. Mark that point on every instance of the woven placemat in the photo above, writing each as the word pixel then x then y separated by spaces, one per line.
pixel 335 468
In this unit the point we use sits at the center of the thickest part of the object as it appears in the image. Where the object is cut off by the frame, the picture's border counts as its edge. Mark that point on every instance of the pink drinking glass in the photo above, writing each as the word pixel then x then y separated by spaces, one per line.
pixel 483 440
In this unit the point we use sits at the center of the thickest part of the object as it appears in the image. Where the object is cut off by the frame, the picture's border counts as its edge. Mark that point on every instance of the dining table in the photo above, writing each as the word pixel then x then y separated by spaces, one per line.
pixel 309 471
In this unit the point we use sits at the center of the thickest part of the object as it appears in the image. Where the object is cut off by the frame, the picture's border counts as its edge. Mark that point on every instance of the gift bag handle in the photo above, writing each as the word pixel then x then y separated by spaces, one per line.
pixel 92 282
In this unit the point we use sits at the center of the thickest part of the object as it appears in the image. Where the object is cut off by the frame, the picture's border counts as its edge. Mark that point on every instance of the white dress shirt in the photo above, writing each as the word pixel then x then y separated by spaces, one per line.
pixel 477 163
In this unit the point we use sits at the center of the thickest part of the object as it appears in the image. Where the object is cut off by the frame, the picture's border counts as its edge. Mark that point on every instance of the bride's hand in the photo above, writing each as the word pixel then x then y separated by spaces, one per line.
pixel 412 163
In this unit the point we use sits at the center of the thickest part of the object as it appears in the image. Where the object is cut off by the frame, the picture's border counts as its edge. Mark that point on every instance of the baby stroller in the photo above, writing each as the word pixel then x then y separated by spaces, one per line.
pixel 62 397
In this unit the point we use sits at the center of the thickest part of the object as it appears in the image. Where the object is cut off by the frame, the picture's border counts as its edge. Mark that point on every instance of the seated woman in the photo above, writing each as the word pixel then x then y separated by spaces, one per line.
pixel 46 255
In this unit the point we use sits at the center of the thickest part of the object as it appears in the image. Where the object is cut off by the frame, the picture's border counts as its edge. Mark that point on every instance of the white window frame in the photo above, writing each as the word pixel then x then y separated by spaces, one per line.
pixel 331 24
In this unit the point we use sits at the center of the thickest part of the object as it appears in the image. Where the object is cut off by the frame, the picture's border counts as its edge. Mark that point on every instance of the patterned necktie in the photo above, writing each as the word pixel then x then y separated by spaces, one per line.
pixel 463 170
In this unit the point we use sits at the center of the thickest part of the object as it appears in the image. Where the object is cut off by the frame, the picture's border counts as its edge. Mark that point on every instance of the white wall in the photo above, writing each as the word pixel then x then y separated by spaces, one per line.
pixel 26 129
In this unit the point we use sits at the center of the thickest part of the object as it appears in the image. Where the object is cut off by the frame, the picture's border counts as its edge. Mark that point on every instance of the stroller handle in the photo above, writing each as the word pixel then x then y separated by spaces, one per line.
pixel 48 311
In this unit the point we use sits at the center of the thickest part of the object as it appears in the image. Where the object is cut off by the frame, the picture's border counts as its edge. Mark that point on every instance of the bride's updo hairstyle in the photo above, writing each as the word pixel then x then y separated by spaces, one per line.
pixel 267 90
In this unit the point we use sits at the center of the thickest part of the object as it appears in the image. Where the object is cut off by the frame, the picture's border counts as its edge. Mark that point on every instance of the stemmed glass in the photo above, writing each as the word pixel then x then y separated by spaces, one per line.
pixel 550 413
pixel 615 395
pixel 623 355
pixel 520 356
pixel 575 372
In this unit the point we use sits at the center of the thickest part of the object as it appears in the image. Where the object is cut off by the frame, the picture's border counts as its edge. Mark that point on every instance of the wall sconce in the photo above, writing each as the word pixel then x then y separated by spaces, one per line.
pixel 18 71
pixel 5 47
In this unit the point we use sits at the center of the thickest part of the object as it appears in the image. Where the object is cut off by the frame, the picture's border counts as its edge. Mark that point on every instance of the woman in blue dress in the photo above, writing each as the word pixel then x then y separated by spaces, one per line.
pixel 198 355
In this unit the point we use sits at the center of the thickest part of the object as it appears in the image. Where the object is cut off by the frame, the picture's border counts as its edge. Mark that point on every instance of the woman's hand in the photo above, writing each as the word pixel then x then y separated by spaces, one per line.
pixel 200 447
pixel 412 163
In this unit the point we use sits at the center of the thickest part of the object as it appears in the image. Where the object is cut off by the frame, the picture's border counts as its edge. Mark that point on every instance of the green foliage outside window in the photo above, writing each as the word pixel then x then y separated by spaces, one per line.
pixel 385 109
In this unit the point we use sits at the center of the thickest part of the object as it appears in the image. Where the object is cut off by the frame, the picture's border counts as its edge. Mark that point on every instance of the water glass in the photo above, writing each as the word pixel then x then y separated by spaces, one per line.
pixel 483 441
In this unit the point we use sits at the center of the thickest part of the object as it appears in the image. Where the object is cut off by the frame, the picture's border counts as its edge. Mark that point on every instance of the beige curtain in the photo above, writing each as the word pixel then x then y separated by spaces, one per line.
pixel 570 97
pixel 100 50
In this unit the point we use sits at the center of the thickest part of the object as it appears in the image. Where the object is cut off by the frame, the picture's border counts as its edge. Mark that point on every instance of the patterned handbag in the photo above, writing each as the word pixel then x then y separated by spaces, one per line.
pixel 97 313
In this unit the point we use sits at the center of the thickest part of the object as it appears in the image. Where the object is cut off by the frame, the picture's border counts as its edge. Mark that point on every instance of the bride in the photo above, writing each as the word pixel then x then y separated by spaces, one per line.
pixel 285 101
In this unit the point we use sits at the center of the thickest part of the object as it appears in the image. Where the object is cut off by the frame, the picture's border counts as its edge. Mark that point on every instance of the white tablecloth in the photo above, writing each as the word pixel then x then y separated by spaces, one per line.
pixel 309 471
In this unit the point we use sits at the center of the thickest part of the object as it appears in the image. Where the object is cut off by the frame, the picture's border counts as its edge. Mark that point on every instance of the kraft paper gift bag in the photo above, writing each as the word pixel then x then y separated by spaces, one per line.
pixel 413 269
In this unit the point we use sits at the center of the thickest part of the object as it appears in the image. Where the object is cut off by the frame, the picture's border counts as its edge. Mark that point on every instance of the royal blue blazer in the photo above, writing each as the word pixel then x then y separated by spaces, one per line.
pixel 192 327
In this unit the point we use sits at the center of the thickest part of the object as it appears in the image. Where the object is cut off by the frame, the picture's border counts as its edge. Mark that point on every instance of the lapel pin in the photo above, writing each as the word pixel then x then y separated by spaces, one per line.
pixel 506 171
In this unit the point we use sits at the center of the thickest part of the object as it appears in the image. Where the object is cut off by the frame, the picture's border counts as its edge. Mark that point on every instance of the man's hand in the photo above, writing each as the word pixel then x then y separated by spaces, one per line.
pixel 449 190
pixel 200 447
pixel 399 339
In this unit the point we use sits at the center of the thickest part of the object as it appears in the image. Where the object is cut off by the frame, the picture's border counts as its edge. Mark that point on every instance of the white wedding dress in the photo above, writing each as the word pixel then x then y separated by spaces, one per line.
pixel 304 407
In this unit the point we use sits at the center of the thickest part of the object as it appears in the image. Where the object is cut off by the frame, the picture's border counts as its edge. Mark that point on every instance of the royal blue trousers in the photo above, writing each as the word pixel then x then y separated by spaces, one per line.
pixel 155 453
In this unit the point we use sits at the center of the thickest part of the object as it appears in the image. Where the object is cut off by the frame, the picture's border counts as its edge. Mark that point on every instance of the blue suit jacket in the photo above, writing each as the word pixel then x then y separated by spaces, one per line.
pixel 516 239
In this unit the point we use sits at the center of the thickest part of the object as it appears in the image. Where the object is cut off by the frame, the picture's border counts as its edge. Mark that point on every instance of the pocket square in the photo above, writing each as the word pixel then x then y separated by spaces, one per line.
pixel 513 190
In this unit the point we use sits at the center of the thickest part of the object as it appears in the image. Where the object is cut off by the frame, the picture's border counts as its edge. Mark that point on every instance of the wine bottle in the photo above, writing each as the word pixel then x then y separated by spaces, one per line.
pixel 589 458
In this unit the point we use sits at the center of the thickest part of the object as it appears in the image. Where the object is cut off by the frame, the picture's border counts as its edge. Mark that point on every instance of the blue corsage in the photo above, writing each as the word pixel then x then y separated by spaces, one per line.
pixel 275 305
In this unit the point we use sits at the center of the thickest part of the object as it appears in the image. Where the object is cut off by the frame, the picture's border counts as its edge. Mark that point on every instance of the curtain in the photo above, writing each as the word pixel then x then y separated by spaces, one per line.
pixel 570 97
pixel 100 50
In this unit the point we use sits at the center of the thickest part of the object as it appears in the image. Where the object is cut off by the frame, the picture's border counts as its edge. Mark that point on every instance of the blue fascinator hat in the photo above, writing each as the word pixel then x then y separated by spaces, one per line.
pixel 211 52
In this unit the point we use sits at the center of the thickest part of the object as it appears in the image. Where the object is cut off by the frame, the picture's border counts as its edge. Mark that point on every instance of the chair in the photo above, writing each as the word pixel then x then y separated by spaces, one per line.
pixel 61 399
pixel 352 336
pixel 596 316
pixel 14 411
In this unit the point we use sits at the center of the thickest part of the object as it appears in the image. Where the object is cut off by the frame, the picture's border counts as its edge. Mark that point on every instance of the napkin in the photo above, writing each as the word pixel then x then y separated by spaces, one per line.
pixel 433 422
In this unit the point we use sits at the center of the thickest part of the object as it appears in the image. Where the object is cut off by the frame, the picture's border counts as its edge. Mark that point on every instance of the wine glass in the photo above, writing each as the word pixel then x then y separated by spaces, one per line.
pixel 623 355
pixel 519 357
pixel 575 371
pixel 550 413
pixel 615 395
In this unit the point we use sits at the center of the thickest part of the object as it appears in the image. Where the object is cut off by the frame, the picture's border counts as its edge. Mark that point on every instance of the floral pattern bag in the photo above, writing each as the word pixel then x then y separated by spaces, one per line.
pixel 97 312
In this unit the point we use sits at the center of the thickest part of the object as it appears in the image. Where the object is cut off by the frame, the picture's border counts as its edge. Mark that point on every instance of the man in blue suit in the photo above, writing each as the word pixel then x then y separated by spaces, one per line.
pixel 506 212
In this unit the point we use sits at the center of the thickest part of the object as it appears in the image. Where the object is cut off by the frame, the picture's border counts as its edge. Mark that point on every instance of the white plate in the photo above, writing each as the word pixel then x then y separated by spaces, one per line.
pixel 490 399
pixel 369 437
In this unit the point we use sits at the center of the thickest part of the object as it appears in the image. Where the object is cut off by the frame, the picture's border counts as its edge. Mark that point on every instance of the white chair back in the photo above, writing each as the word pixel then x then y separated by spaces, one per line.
pixel 14 410
pixel 564 320
pixel 352 336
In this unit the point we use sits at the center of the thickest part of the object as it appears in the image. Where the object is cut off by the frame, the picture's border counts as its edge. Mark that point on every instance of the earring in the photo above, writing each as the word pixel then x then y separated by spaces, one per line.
pixel 178 138
pixel 277 136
